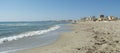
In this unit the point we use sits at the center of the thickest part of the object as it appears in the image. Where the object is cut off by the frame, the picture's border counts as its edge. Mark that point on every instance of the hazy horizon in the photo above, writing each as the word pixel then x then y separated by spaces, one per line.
pixel 42 10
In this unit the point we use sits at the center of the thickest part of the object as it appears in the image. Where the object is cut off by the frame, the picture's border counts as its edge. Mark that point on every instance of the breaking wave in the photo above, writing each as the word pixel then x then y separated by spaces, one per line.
pixel 27 34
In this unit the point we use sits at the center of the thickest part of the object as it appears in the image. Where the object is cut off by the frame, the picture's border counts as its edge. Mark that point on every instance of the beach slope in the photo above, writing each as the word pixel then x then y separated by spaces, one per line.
pixel 85 37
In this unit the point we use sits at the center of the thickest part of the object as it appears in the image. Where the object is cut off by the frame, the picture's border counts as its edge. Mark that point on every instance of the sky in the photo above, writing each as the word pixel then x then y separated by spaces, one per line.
pixel 41 10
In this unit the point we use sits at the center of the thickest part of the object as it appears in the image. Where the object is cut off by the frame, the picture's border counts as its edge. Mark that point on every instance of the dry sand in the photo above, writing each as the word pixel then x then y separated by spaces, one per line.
pixel 85 37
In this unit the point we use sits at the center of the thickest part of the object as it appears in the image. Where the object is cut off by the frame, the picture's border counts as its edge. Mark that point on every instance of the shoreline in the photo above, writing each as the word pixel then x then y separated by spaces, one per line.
pixel 63 44
pixel 85 37
pixel 49 45
pixel 32 42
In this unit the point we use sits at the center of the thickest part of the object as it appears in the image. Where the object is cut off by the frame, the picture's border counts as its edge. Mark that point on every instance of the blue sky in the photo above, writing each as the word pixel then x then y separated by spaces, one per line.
pixel 38 10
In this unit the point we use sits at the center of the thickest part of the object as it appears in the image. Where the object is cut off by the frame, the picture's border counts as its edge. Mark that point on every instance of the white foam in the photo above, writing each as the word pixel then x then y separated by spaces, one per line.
pixel 27 34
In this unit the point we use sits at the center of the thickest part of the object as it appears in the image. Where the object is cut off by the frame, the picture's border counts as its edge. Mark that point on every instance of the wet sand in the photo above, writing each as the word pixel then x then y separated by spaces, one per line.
pixel 85 37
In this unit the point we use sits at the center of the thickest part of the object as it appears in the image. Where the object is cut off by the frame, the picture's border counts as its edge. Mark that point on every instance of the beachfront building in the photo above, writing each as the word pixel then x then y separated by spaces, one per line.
pixel 91 18
pixel 101 18
pixel 112 18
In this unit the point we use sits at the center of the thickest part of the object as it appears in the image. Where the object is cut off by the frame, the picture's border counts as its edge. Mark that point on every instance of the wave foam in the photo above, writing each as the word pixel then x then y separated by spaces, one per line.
pixel 32 33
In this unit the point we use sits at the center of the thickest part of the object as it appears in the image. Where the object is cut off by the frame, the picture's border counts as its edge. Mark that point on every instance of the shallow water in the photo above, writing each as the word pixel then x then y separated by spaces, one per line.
pixel 32 41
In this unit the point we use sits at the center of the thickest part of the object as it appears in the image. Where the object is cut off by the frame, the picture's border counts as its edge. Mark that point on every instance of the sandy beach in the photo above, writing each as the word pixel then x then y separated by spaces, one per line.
pixel 85 37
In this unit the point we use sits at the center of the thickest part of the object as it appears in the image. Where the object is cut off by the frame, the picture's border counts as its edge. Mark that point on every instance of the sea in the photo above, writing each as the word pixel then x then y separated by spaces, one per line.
pixel 16 36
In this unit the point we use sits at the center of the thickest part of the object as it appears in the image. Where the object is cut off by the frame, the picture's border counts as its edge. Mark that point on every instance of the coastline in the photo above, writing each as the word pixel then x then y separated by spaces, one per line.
pixel 65 43
pixel 85 37
pixel 33 41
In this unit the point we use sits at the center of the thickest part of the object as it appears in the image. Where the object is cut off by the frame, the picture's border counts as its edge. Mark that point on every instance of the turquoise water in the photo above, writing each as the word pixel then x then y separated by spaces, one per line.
pixel 22 35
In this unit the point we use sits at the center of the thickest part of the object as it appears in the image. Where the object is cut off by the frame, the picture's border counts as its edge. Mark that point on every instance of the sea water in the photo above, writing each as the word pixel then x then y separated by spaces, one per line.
pixel 15 36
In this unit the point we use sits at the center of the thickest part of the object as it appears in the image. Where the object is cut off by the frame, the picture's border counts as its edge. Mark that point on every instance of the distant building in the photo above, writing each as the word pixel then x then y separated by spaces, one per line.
pixel 101 16
pixel 90 18
pixel 111 18
pixel 94 18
